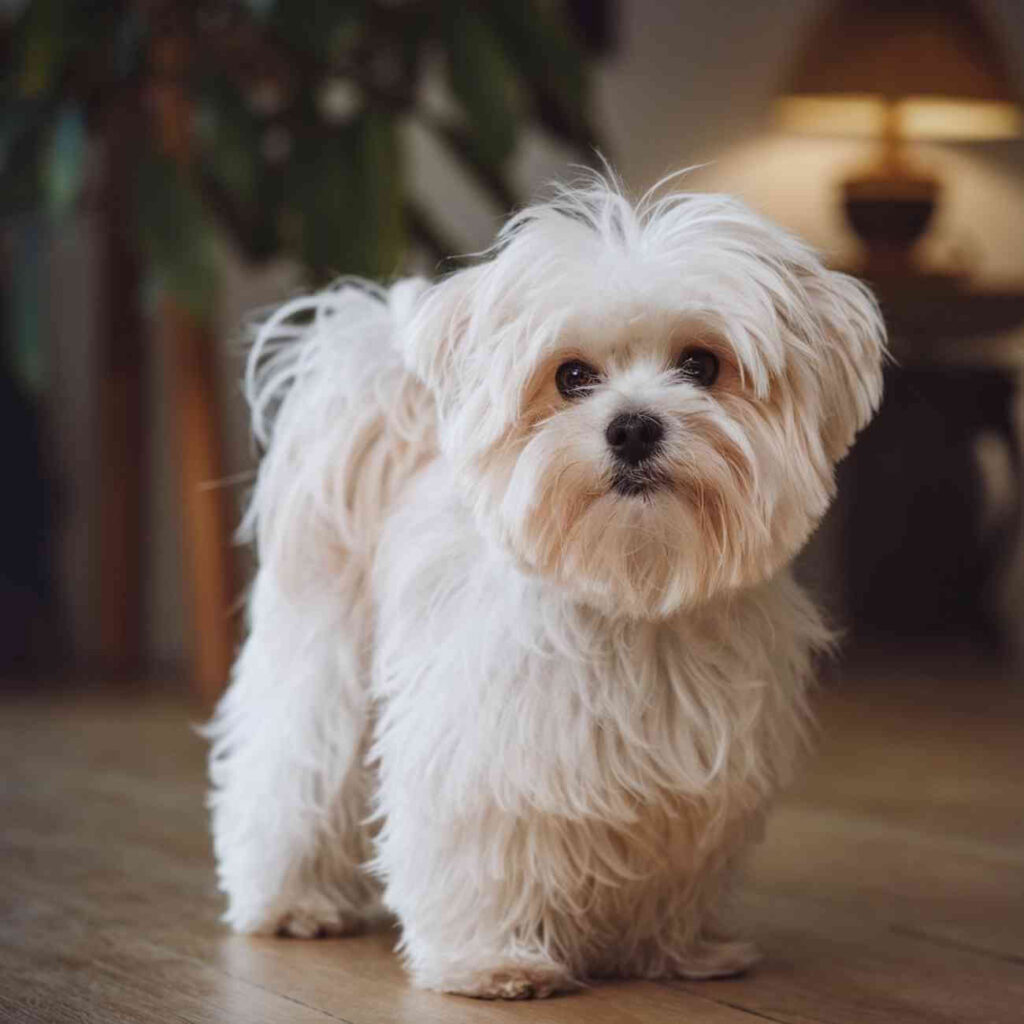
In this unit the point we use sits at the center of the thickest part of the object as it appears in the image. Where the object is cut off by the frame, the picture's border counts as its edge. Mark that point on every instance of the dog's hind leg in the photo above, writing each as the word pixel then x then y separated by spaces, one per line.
pixel 289 788
pixel 344 426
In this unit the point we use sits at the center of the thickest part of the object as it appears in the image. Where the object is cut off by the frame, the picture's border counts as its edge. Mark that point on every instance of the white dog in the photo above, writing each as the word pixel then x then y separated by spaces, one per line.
pixel 526 663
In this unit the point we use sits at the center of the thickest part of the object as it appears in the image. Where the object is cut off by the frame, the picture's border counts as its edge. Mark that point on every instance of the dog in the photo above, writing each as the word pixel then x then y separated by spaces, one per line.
pixel 526 662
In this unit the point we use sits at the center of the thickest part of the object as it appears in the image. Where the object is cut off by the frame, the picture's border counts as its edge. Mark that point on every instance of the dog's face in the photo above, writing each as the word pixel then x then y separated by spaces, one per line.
pixel 647 406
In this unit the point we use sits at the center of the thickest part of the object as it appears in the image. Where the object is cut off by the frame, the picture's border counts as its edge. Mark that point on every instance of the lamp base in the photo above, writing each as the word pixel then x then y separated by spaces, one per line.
pixel 889 209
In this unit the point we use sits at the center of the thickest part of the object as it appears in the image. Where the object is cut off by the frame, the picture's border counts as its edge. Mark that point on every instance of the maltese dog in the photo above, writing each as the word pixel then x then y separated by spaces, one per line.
pixel 525 663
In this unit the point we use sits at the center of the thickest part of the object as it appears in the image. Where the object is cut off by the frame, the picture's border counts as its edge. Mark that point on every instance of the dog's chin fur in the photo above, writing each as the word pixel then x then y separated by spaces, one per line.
pixel 530 700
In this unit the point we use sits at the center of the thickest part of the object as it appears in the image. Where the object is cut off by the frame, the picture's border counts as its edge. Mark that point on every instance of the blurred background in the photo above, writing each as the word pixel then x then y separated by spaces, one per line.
pixel 165 168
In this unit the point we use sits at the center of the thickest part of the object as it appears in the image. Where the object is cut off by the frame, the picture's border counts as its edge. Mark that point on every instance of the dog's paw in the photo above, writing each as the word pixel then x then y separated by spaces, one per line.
pixel 510 981
pixel 716 959
pixel 315 916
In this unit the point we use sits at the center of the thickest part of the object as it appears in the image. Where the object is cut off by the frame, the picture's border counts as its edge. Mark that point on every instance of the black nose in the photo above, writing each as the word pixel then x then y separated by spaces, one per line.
pixel 634 436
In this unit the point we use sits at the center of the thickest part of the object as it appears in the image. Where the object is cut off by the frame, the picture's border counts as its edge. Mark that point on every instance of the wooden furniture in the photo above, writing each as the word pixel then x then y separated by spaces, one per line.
pixel 925 540
pixel 890 888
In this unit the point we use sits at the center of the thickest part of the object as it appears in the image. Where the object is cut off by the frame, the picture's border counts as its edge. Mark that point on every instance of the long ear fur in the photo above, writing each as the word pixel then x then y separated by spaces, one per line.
pixel 853 336
pixel 431 342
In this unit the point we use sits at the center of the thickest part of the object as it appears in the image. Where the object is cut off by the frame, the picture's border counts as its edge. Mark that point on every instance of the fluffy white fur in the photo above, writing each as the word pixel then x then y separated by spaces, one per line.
pixel 537 719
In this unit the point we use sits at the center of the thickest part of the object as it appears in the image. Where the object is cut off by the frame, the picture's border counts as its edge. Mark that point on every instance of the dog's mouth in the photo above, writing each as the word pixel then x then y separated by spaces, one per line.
pixel 639 482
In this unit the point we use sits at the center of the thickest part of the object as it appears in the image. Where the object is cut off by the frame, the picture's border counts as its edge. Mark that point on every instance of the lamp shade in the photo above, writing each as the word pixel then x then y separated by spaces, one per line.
pixel 934 62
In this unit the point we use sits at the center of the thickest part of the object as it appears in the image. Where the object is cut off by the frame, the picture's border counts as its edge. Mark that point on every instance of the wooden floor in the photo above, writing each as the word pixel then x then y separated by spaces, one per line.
pixel 890 887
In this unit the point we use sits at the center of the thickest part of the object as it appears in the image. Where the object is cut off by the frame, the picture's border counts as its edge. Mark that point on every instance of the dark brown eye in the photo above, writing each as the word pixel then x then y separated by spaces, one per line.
pixel 698 366
pixel 575 378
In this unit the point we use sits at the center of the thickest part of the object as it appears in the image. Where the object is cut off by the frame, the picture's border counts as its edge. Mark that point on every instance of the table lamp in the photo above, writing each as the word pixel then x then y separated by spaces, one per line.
pixel 898 71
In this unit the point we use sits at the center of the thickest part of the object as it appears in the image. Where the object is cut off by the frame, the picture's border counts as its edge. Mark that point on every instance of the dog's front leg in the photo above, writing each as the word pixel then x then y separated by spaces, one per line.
pixel 469 913
pixel 289 794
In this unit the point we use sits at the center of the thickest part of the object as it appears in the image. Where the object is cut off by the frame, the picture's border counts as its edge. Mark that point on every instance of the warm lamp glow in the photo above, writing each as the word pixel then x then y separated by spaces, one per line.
pixel 860 116
pixel 898 71
pixel 901 69
pixel 931 118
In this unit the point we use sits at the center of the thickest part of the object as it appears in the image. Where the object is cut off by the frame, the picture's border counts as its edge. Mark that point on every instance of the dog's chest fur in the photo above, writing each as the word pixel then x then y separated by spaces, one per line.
pixel 507 695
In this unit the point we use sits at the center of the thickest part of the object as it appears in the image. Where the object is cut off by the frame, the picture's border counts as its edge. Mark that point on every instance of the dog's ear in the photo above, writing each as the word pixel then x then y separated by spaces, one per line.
pixel 850 358
pixel 434 334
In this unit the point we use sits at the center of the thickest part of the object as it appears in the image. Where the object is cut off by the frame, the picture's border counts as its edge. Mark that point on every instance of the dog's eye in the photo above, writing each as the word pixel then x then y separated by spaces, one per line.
pixel 698 366
pixel 575 378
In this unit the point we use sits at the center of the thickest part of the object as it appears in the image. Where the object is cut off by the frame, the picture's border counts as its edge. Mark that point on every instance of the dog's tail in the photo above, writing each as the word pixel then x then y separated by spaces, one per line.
pixel 306 336
pixel 332 407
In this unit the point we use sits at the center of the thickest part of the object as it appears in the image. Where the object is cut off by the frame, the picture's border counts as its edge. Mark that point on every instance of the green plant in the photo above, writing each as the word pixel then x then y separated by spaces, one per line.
pixel 278 122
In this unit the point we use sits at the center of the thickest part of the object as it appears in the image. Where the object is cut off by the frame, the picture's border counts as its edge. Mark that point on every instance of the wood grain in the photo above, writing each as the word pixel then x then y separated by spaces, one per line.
pixel 890 887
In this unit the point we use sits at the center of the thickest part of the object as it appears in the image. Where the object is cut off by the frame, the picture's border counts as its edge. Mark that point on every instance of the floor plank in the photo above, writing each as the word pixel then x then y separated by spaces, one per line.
pixel 890 887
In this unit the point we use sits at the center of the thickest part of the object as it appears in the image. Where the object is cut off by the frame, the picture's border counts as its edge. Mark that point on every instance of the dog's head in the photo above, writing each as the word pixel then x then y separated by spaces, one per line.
pixel 646 403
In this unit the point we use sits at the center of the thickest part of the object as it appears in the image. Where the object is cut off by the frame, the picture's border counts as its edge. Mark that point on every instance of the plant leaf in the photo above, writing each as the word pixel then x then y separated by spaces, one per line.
pixel 345 195
pixel 481 79
pixel 23 131
pixel 261 8
pixel 314 25
pixel 129 34
pixel 26 303
pixel 241 189
pixel 63 170
pixel 550 61
pixel 176 235
pixel 42 43
pixel 229 140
